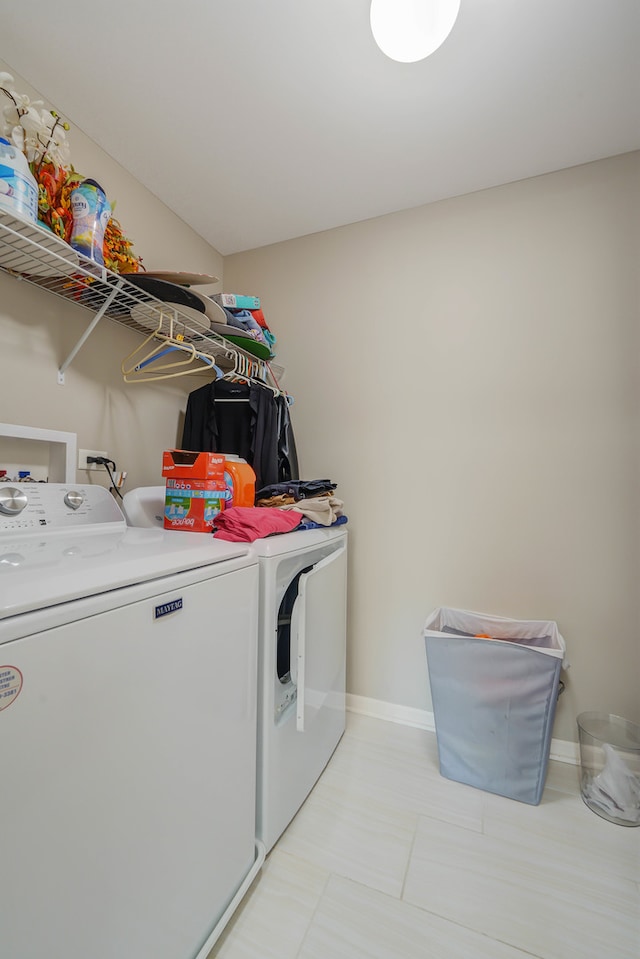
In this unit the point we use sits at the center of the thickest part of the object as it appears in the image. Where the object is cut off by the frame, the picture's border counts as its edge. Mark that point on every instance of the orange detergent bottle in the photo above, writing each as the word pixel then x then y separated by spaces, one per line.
pixel 241 481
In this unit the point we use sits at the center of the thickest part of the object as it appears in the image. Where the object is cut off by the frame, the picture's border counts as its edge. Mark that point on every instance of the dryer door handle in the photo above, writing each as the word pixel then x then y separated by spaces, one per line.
pixel 318 590
pixel 294 632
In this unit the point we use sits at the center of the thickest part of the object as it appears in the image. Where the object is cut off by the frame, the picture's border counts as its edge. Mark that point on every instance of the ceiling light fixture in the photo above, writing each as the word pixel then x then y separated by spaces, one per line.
pixel 410 30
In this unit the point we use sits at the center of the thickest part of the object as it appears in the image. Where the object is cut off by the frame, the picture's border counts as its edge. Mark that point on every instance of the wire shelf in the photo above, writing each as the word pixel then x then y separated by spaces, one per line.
pixel 33 253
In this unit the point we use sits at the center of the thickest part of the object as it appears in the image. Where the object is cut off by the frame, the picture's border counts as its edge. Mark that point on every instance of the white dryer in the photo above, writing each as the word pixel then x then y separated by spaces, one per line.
pixel 302 633
pixel 301 668
pixel 127 730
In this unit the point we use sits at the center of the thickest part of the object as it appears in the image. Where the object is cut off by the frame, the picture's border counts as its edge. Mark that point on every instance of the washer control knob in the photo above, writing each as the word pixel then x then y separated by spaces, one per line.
pixel 12 500
pixel 74 499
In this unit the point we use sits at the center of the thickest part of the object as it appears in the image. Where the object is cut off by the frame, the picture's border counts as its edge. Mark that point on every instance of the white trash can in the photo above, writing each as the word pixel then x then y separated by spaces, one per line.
pixel 494 685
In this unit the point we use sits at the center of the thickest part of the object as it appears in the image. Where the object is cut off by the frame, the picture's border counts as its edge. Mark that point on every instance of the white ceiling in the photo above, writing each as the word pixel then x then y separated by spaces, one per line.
pixel 262 120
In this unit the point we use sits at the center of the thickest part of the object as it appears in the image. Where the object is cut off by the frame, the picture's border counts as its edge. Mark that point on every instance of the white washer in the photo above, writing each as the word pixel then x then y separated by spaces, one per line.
pixel 301 659
pixel 127 730
pixel 301 668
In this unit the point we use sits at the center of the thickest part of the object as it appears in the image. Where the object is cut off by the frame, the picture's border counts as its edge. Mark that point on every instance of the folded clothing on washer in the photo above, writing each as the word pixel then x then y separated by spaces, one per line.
pixel 323 510
pixel 244 524
pixel 281 494
pixel 309 523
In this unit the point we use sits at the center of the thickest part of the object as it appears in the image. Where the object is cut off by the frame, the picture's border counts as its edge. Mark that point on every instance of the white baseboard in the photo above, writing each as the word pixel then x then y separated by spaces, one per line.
pixel 562 750
pixel 565 751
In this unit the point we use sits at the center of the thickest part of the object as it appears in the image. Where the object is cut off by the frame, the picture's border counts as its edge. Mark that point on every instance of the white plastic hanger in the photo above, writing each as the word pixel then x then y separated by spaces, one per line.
pixel 146 363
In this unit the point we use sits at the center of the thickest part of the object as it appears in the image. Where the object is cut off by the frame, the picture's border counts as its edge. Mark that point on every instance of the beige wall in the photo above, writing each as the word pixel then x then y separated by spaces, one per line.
pixel 468 373
pixel 135 422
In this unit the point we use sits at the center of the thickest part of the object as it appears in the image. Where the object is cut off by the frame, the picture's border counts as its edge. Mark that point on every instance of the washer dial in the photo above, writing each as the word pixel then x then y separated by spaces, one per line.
pixel 12 500
pixel 74 499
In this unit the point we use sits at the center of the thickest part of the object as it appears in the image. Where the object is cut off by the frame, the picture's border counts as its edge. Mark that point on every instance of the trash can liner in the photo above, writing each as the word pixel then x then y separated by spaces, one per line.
pixel 616 789
pixel 610 766
pixel 494 700
pixel 539 633
pixel 542 641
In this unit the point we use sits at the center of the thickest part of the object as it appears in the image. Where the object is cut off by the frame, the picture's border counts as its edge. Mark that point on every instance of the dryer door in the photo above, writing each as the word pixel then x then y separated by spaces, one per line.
pixel 320 615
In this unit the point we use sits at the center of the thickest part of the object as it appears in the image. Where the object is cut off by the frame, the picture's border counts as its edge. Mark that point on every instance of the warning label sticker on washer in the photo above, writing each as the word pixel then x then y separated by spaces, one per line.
pixel 10 685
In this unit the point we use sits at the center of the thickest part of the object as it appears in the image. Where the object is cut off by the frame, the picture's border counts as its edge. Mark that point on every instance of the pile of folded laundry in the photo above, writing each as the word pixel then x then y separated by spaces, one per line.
pixel 281 508
pixel 252 322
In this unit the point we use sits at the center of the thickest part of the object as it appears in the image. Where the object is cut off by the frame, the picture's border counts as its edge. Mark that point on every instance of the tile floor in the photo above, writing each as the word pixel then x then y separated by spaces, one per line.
pixel 388 860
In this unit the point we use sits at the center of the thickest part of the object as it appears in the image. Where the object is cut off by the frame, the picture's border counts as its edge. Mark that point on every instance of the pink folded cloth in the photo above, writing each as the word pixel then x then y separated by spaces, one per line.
pixel 243 524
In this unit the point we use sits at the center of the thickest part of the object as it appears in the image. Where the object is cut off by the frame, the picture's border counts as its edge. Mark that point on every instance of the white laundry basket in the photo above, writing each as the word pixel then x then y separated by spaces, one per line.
pixel 494 687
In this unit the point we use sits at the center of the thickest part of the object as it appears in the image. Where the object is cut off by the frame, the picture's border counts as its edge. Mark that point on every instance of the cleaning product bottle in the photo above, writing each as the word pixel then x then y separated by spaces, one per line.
pixel 18 187
pixel 240 480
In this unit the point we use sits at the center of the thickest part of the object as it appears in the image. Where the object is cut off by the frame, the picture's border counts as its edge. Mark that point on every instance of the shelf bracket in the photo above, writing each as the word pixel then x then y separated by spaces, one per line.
pixel 89 330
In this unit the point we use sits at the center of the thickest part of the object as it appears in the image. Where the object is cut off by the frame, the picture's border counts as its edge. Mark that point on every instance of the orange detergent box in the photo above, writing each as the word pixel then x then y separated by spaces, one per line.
pixel 195 489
